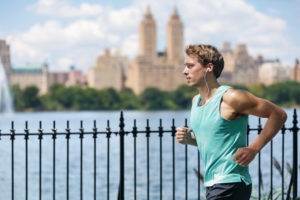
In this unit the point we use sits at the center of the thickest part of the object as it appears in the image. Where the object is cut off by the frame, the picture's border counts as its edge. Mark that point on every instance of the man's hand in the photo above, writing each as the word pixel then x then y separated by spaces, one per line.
pixel 244 156
pixel 183 135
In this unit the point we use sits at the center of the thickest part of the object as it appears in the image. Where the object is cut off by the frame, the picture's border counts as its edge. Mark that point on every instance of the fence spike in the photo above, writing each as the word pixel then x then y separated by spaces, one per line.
pixel 108 132
pixel 81 129
pixel 26 130
pixel 12 131
pixel 95 130
pixel 134 129
pixel 40 130
pixel 68 130
pixel 160 128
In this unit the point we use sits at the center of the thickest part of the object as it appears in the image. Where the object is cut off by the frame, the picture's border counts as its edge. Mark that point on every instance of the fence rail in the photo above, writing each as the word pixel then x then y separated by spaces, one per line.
pixel 291 192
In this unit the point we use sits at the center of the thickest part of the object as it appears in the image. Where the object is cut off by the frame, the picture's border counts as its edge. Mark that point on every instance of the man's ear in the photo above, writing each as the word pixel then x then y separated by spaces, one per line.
pixel 210 67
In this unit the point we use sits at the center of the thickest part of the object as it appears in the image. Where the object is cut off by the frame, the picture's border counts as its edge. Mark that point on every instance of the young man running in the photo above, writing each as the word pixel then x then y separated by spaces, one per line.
pixel 219 118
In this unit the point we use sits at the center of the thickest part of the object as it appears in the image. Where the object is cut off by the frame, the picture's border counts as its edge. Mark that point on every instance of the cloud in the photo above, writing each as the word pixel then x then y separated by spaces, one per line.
pixel 216 21
pixel 62 8
pixel 80 41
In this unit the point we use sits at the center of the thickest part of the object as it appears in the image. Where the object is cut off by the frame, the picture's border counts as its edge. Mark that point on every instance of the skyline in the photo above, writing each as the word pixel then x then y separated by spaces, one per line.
pixel 65 33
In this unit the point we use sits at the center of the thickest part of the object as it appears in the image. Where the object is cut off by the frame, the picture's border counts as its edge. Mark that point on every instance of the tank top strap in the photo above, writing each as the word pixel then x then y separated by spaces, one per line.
pixel 196 100
pixel 221 90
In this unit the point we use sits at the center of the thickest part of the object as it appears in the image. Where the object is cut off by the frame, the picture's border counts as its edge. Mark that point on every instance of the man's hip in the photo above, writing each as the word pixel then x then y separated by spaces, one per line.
pixel 229 191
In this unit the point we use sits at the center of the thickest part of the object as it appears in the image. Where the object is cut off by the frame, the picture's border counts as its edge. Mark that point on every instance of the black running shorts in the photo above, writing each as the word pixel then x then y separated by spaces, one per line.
pixel 229 191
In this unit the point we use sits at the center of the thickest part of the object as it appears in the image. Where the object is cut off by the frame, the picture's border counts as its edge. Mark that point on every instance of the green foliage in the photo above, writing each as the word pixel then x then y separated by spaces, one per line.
pixel 61 97
pixel 153 99
pixel 183 96
pixel 26 99
pixel 258 90
pixel 30 97
pixel 17 97
pixel 128 100
pixel 110 99
pixel 284 92
pixel 87 99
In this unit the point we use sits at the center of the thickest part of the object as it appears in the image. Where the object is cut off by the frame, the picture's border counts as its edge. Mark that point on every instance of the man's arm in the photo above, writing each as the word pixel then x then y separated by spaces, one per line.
pixel 245 103
pixel 184 136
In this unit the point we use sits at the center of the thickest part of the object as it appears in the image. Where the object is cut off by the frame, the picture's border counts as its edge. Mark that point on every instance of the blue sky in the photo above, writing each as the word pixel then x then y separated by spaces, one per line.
pixel 65 32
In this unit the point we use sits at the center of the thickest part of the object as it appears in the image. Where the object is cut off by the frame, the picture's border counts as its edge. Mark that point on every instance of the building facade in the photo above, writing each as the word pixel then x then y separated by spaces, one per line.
pixel 240 68
pixel 160 70
pixel 5 56
pixel 271 72
pixel 38 75
pixel 30 75
pixel 58 77
pixel 108 71
pixel 295 72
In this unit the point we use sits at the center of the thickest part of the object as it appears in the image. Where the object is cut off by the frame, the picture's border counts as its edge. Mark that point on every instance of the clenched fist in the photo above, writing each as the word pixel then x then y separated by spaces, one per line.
pixel 244 156
pixel 183 135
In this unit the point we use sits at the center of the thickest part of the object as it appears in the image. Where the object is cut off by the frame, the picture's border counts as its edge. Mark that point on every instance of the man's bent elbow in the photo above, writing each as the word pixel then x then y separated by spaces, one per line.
pixel 282 116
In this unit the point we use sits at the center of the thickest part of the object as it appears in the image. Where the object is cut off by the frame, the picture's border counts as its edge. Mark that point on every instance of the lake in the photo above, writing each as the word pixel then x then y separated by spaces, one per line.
pixel 101 118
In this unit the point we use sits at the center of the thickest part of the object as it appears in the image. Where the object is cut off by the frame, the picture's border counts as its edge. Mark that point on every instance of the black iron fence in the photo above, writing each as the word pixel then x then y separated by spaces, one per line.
pixel 286 192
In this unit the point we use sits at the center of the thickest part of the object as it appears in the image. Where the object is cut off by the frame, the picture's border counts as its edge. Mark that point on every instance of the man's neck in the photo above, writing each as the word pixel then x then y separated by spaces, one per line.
pixel 207 91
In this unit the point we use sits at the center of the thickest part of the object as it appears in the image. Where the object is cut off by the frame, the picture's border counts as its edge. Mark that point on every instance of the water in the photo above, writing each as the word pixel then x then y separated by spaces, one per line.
pixel 6 105
pixel 102 117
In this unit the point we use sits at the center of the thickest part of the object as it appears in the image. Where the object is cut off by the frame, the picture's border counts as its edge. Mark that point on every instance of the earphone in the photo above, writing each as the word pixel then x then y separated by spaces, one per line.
pixel 206 84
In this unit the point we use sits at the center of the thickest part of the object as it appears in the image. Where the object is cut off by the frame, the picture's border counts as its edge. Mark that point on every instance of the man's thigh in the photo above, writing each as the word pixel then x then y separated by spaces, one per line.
pixel 229 191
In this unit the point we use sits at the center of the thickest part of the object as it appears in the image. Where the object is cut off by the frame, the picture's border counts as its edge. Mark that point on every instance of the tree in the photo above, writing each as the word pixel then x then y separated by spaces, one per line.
pixel 30 97
pixel 183 96
pixel 65 96
pixel 153 99
pixel 17 97
pixel 88 99
pixel 258 90
pixel 110 99
pixel 129 100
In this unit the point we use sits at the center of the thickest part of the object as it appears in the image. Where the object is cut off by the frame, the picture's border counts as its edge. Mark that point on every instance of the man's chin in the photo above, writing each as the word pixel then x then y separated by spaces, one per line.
pixel 190 84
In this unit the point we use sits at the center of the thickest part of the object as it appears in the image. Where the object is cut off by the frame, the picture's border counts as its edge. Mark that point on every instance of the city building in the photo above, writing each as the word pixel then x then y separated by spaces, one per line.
pixel 28 75
pixel 24 75
pixel 271 72
pixel 240 68
pixel 5 56
pixel 75 77
pixel 295 73
pixel 70 78
pixel 58 77
pixel 37 74
pixel 150 68
pixel 108 71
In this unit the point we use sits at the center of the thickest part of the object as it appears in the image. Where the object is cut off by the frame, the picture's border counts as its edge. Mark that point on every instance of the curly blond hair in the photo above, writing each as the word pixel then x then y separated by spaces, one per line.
pixel 207 54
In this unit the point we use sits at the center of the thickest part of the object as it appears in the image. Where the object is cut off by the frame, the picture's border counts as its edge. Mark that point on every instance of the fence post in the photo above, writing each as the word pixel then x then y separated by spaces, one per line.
pixel 295 155
pixel 122 133
pixel 12 138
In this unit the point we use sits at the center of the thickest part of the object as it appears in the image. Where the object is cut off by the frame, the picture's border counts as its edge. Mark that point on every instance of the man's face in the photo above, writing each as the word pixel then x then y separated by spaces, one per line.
pixel 193 71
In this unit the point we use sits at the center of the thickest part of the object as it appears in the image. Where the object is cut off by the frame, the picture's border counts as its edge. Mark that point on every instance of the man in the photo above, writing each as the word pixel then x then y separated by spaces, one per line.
pixel 219 118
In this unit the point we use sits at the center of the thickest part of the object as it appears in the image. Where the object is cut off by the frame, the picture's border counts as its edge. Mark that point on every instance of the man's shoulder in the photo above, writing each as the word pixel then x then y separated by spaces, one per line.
pixel 195 97
pixel 239 100
pixel 233 96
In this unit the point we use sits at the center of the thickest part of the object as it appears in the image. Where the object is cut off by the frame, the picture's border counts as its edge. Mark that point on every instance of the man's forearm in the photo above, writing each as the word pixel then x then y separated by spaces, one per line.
pixel 273 125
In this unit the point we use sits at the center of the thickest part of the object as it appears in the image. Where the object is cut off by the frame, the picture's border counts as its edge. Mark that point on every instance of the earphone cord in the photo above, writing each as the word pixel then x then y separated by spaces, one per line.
pixel 206 86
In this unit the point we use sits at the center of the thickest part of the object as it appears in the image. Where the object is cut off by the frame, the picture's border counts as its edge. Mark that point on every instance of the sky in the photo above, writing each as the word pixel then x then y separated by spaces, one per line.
pixel 75 32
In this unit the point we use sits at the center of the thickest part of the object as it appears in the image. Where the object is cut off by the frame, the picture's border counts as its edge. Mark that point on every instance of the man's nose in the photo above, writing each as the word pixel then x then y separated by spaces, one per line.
pixel 185 71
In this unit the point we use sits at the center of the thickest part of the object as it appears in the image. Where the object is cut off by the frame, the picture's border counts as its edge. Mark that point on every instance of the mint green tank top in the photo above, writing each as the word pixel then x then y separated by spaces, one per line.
pixel 218 139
